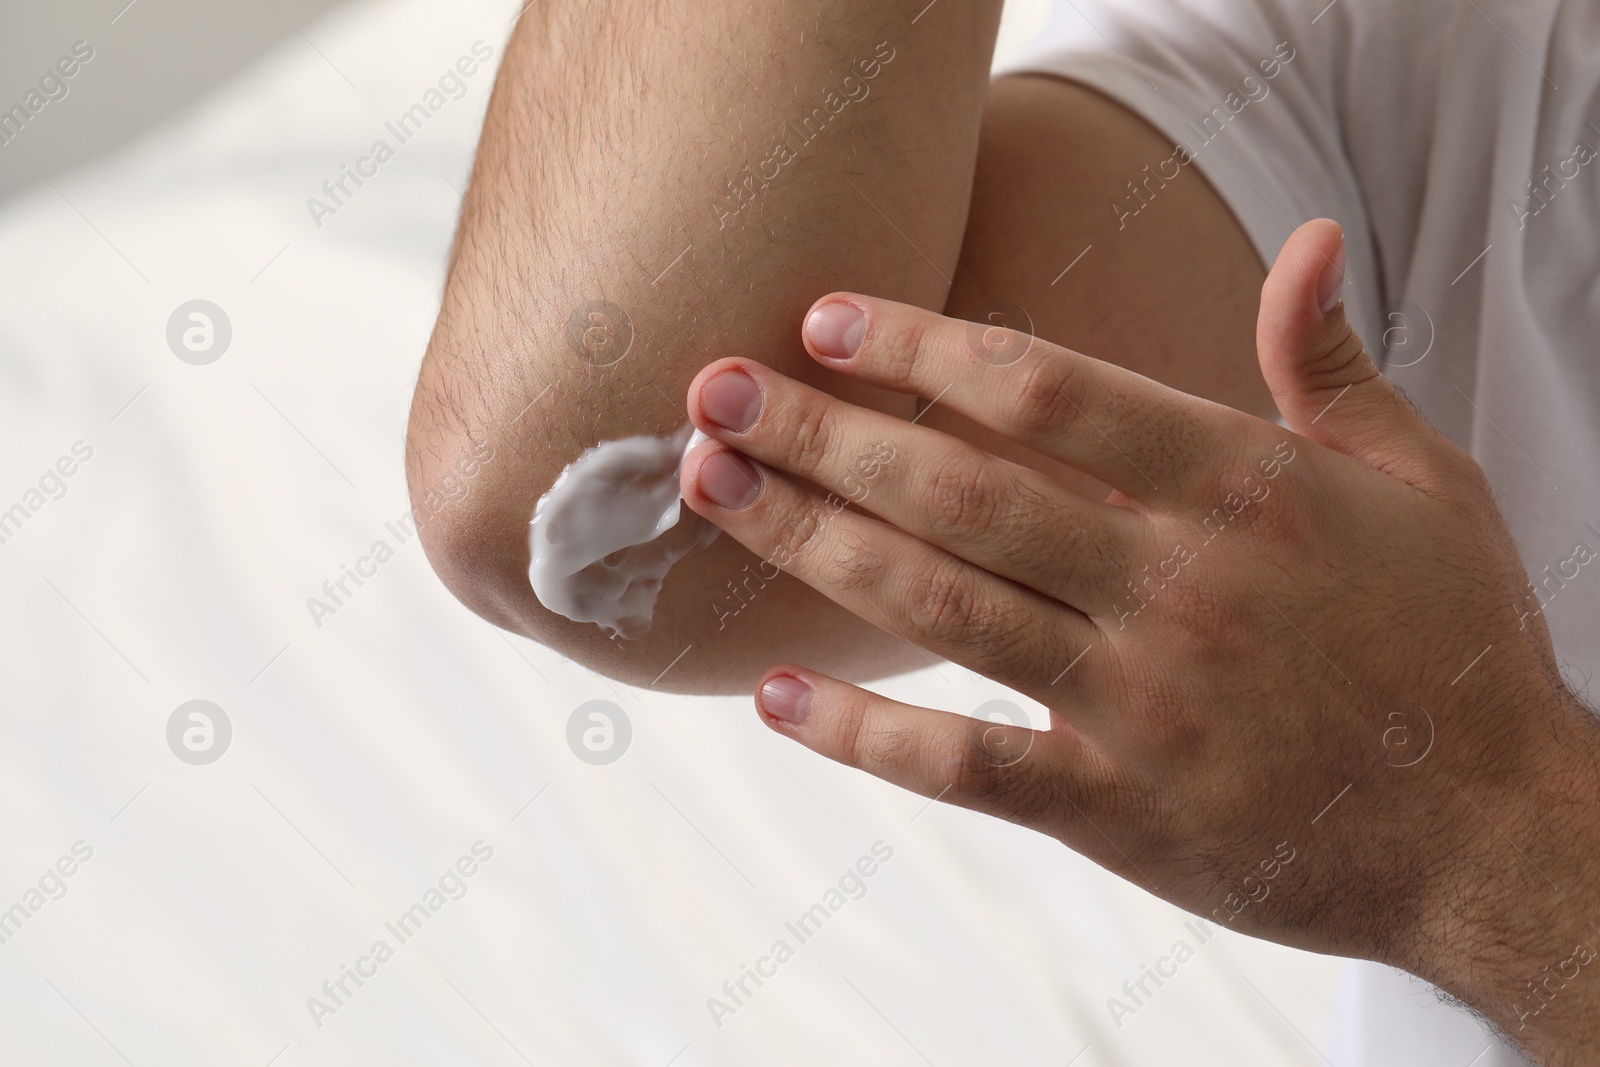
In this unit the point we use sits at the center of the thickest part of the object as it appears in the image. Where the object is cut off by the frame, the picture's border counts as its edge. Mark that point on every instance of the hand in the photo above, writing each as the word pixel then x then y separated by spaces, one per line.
pixel 1297 678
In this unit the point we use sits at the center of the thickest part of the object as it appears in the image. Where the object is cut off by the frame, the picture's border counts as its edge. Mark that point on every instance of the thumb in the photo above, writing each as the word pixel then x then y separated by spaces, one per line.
pixel 1324 381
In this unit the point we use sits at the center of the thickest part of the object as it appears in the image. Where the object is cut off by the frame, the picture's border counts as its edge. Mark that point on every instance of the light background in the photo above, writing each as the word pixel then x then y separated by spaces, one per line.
pixel 370 752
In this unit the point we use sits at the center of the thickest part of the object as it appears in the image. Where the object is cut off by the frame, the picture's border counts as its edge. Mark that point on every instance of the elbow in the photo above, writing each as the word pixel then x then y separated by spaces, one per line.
pixel 468 528
pixel 472 495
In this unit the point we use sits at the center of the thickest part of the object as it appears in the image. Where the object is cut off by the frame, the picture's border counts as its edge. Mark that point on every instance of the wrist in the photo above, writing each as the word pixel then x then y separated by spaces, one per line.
pixel 1513 926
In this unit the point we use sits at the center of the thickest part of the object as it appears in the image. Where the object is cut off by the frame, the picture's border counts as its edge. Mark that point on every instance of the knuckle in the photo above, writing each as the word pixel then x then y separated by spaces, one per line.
pixel 799 531
pixel 1015 789
pixel 1042 398
pixel 852 732
pixel 962 497
pixel 946 607
pixel 1339 361
pixel 898 344
pixel 969 770
pixel 944 603
pixel 813 434
pixel 1240 496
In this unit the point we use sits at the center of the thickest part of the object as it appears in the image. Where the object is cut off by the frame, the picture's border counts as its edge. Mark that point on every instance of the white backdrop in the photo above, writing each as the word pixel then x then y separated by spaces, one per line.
pixel 368 754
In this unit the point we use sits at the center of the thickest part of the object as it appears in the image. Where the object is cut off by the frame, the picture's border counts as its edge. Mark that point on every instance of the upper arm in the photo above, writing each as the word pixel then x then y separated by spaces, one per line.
pixel 1172 294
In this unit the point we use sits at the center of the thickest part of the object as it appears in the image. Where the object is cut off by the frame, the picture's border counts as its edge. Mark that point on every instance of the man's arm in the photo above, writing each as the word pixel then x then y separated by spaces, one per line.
pixel 1517 936
pixel 704 173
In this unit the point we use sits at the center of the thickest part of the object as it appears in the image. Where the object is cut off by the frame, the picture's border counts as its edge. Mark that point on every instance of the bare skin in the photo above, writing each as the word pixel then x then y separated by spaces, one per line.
pixel 935 189
pixel 1227 643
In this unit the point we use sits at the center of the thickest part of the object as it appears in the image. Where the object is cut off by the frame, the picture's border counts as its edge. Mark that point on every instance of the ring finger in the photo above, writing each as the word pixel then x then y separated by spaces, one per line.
pixel 937 601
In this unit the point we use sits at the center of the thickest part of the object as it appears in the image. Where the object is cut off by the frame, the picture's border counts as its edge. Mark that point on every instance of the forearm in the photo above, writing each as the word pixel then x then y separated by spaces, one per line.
pixel 709 172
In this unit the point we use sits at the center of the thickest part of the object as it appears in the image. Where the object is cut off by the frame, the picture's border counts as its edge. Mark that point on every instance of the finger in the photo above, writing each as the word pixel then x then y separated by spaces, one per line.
pixel 1155 444
pixel 901 584
pixel 1026 776
pixel 998 515
pixel 1321 375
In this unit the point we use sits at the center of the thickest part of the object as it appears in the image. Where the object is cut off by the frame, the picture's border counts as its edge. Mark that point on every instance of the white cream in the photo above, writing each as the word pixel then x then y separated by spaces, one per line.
pixel 598 538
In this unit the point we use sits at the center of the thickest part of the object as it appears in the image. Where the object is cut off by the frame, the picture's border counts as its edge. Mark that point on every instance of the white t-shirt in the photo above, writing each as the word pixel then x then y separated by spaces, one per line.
pixel 1458 142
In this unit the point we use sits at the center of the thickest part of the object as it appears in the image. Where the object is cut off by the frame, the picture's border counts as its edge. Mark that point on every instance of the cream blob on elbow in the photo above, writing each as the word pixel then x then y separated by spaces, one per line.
pixel 601 540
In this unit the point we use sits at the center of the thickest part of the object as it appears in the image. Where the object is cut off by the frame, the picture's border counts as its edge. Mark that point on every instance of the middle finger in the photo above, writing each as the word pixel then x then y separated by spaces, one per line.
pixel 999 515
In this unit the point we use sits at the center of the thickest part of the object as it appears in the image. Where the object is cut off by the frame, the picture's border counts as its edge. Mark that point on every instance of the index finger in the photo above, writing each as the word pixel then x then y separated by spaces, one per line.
pixel 1155 444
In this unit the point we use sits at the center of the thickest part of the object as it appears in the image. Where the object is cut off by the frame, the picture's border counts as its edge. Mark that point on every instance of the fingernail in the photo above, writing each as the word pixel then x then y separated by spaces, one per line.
pixel 1330 287
pixel 732 400
pixel 835 330
pixel 730 481
pixel 786 698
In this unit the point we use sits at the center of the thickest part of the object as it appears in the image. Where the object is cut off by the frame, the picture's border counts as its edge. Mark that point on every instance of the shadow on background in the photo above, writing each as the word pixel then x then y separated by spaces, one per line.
pixel 151 60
